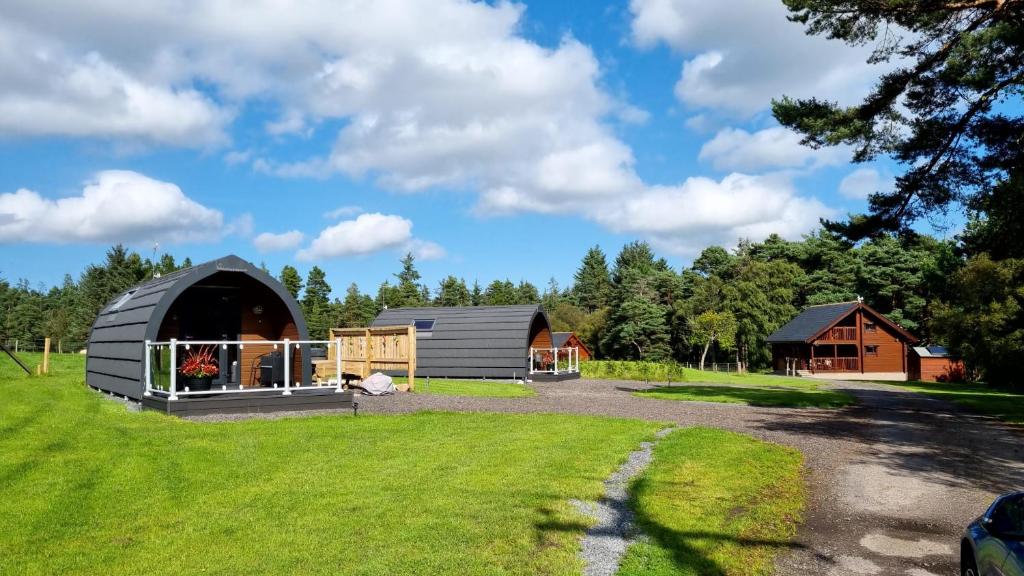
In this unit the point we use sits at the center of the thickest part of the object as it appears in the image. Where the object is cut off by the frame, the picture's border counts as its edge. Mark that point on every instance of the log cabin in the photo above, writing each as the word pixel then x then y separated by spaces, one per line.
pixel 570 339
pixel 843 341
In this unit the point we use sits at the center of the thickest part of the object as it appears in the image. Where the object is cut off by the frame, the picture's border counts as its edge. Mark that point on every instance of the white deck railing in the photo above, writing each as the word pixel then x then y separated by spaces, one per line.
pixel 172 391
pixel 562 360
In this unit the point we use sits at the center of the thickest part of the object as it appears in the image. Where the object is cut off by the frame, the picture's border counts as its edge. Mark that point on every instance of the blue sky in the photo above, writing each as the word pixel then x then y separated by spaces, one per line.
pixel 493 140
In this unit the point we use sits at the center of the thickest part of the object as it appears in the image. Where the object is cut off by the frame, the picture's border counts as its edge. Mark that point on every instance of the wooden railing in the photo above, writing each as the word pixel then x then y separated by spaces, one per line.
pixel 846 333
pixel 835 364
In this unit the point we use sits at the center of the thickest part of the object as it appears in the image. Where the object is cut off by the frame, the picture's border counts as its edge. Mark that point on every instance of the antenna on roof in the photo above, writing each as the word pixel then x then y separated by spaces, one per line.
pixel 156 273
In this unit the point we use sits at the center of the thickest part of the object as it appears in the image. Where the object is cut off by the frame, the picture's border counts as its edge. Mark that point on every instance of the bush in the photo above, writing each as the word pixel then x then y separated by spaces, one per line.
pixel 632 370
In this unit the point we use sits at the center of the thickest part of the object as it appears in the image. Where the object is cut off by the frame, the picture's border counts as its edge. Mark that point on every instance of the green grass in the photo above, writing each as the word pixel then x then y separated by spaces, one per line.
pixel 1002 404
pixel 89 488
pixel 483 388
pixel 752 389
pixel 715 503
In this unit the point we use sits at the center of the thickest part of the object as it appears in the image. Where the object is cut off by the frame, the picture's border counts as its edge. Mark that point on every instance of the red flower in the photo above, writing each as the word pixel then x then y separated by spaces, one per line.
pixel 199 363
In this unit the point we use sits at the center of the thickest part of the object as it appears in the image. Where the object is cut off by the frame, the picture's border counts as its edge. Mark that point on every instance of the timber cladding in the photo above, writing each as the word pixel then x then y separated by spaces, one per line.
pixel 473 341
pixel 883 348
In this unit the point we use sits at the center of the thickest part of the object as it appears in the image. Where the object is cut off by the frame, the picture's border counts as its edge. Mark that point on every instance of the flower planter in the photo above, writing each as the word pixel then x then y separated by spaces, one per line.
pixel 199 384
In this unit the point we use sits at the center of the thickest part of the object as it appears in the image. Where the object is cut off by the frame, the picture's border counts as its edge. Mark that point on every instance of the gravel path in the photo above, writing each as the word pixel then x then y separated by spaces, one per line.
pixel 893 480
pixel 605 542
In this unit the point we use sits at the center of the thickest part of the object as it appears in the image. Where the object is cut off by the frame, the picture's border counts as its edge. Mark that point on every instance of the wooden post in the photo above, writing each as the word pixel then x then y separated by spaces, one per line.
pixel 367 365
pixel 412 358
pixel 46 355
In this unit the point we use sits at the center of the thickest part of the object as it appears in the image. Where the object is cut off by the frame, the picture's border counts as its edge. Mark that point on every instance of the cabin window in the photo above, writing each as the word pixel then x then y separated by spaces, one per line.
pixel 870 327
pixel 424 325
pixel 871 350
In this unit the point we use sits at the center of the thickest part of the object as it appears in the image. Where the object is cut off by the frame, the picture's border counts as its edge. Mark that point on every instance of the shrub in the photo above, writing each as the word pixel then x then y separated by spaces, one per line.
pixel 632 370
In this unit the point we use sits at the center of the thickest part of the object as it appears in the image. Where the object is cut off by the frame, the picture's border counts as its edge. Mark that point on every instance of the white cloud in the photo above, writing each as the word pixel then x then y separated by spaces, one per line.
pixel 242 225
pixel 776 147
pixel 863 182
pixel 116 206
pixel 367 234
pixel 425 249
pixel 428 94
pixel 270 242
pixel 342 211
pixel 702 211
pixel 743 54
pixel 236 157
pixel 49 90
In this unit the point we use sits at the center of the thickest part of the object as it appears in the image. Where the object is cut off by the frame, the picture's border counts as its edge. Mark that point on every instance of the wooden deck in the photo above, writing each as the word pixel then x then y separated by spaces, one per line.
pixel 560 377
pixel 253 402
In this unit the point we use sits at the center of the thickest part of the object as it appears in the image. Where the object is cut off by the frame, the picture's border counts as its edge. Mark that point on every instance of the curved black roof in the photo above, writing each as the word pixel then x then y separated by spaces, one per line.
pixel 471 341
pixel 115 351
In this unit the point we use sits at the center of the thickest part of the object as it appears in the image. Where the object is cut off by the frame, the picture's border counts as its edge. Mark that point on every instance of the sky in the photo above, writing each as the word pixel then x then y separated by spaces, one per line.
pixel 491 140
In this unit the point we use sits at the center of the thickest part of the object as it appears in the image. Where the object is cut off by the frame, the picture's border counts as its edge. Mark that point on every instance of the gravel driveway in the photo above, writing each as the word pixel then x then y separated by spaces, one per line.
pixel 893 480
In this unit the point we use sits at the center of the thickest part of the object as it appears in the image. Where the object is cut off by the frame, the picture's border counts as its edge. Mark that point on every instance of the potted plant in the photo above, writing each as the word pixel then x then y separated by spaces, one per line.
pixel 198 368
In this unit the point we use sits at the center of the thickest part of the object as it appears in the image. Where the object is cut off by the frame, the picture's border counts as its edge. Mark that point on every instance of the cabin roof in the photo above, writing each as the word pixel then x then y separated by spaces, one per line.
pixel 814 320
pixel 931 351
pixel 811 322
pixel 470 341
pixel 558 339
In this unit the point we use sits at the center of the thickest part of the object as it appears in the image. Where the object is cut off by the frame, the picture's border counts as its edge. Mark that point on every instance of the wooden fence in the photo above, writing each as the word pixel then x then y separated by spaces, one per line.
pixel 368 350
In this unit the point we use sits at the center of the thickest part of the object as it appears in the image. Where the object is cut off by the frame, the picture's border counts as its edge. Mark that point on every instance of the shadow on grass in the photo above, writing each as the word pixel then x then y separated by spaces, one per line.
pixel 693 551
pixel 754 396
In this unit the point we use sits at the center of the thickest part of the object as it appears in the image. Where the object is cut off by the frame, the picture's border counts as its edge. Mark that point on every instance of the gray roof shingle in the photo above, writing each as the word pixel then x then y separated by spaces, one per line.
pixel 471 341
pixel 812 320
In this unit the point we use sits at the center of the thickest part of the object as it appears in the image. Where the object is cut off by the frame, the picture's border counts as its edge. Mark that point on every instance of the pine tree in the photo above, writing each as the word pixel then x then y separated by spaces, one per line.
pixel 291 280
pixel 316 304
pixel 476 297
pixel 637 326
pixel 409 291
pixel 452 291
pixel 552 296
pixel 527 293
pixel 357 310
pixel 593 284
pixel 500 293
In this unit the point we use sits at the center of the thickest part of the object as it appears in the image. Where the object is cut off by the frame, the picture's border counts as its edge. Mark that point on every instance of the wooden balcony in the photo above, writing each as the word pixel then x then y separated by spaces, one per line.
pixel 840 334
pixel 835 364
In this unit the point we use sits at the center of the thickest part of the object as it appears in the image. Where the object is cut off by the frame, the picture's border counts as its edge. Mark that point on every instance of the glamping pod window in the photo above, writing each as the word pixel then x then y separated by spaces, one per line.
pixel 424 327
pixel 123 300
pixel 120 302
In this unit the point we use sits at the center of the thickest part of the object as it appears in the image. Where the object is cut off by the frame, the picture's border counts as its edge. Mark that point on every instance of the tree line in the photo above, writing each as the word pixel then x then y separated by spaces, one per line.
pixel 637 306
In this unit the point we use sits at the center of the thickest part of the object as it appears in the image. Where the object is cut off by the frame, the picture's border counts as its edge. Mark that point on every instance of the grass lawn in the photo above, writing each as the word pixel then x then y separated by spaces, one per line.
pixel 753 389
pixel 1003 404
pixel 715 502
pixel 90 488
pixel 488 388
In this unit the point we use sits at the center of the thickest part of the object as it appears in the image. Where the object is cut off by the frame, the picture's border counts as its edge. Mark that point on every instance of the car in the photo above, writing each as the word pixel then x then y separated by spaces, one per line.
pixel 993 545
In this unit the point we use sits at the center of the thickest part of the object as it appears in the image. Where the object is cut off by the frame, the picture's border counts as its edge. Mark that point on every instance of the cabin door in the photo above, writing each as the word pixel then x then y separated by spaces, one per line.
pixel 215 313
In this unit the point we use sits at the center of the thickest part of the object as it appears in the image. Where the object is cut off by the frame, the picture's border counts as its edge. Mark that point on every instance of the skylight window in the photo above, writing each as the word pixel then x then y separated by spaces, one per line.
pixel 423 325
pixel 123 300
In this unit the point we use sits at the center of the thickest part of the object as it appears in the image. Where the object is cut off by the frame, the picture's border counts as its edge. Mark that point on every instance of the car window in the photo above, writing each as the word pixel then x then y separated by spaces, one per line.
pixel 1008 517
